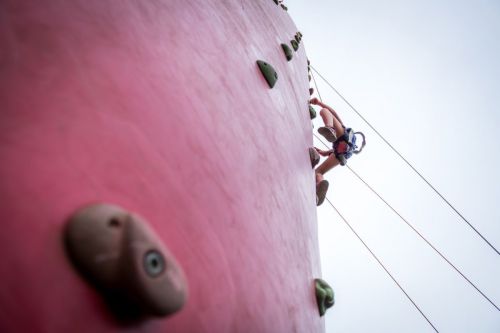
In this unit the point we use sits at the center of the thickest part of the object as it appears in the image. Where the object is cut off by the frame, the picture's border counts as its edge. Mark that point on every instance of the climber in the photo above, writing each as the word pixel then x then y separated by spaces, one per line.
pixel 344 145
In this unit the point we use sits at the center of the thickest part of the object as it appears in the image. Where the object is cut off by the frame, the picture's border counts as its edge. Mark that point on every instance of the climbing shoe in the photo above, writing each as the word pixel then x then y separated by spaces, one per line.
pixel 328 133
pixel 321 189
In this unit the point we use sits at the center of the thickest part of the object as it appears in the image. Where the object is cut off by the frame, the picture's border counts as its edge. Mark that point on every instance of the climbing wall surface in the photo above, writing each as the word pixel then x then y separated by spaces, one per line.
pixel 159 107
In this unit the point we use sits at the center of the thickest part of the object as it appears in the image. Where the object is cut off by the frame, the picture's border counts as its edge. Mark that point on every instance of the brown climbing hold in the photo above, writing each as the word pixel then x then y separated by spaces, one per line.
pixel 122 257
pixel 314 156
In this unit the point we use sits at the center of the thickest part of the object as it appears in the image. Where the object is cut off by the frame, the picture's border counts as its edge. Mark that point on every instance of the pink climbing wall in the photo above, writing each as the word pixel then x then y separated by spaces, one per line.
pixel 159 107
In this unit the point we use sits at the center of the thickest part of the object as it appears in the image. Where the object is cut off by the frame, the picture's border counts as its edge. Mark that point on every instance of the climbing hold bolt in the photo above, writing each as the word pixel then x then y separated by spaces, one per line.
pixel 314 156
pixel 312 112
pixel 325 296
pixel 288 51
pixel 125 261
pixel 295 45
pixel 269 73
pixel 154 263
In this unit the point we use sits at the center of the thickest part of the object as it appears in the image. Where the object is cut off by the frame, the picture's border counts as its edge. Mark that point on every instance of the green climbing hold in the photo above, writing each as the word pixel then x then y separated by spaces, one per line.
pixel 312 112
pixel 295 45
pixel 288 51
pixel 297 37
pixel 325 296
pixel 269 73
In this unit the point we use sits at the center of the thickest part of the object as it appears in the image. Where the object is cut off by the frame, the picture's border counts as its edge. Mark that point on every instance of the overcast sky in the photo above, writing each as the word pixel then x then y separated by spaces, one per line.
pixel 426 74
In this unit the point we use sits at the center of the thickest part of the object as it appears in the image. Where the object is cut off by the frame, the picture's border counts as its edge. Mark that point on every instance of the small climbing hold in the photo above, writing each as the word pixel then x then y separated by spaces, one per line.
pixel 325 297
pixel 297 38
pixel 284 7
pixel 288 51
pixel 314 156
pixel 312 112
pixel 276 2
pixel 309 78
pixel 295 45
pixel 269 73
pixel 311 91
pixel 308 62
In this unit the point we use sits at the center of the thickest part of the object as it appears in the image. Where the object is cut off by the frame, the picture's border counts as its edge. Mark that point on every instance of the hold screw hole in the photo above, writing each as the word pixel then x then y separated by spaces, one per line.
pixel 114 223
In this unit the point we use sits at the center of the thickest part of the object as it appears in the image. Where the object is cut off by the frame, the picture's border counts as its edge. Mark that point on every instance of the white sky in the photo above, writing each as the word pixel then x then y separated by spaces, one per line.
pixel 426 74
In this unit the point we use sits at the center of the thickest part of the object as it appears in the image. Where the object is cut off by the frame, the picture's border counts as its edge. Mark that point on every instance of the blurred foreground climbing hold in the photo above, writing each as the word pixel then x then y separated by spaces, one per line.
pixel 125 261
pixel 269 73
pixel 325 296
pixel 314 156
pixel 321 189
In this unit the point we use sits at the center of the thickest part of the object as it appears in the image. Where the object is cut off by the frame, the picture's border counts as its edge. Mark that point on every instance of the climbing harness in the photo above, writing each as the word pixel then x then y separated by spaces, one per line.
pixel 345 146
